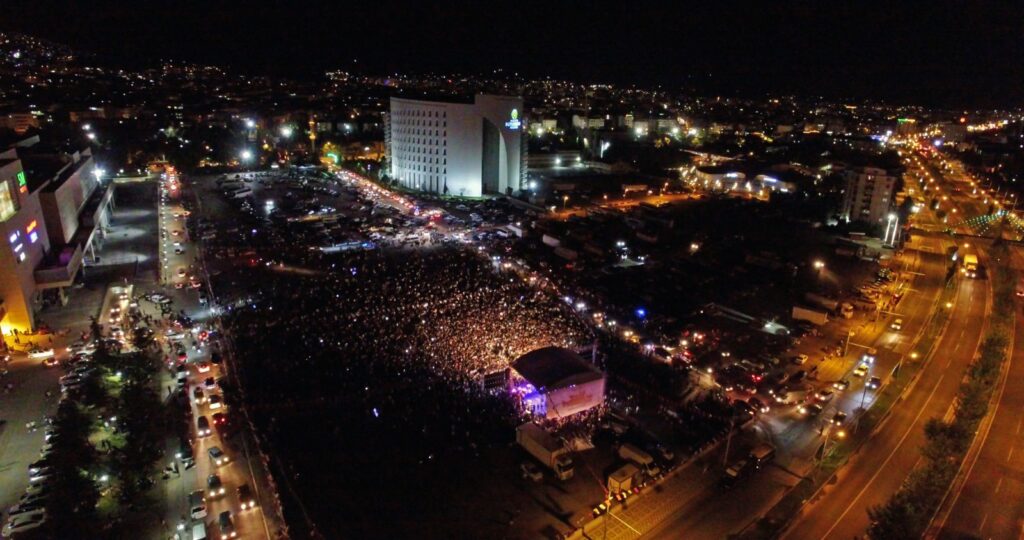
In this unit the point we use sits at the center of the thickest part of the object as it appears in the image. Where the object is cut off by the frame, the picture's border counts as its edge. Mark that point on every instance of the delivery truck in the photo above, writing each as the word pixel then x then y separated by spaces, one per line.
pixel 810 315
pixel 622 479
pixel 549 451
pixel 640 458
pixel 971 265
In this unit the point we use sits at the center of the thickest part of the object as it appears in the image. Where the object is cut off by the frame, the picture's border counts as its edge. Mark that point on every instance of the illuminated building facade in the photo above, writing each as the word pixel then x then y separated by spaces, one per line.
pixel 869 194
pixel 24 247
pixel 453 148
pixel 52 211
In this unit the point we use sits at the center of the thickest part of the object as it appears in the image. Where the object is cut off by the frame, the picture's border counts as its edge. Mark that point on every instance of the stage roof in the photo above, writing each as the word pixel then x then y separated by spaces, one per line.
pixel 554 367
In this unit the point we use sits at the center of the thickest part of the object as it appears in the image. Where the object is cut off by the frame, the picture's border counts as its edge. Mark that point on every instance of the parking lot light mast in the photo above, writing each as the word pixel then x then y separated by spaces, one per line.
pixel 818 266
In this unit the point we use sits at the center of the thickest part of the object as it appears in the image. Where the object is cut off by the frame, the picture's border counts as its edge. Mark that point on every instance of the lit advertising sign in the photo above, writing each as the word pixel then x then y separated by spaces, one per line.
pixel 513 122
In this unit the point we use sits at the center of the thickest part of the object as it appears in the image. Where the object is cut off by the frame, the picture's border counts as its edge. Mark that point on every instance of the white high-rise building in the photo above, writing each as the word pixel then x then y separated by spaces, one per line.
pixel 869 194
pixel 453 148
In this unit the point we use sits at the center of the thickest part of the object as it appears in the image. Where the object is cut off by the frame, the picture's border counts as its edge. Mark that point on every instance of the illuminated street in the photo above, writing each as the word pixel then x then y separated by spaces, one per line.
pixel 503 271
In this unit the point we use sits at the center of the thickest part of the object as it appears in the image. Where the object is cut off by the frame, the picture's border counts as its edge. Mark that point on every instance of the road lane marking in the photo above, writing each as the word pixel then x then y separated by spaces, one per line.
pixel 1019 422
pixel 1010 456
pixel 999 484
pixel 983 520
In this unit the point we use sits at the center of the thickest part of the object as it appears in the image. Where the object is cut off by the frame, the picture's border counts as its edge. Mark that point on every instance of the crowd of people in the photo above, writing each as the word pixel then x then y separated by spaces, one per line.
pixel 374 362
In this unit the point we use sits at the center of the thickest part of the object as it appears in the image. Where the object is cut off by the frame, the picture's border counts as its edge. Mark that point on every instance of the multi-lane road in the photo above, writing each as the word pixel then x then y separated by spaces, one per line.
pixel 693 505
pixel 881 465
pixel 990 502
pixel 987 503
pixel 181 267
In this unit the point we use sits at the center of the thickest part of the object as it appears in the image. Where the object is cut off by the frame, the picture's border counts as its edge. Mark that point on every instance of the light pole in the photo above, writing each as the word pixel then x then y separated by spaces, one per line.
pixel 867 380
pixel 846 345
pixel 840 434
pixel 818 265
pixel 246 155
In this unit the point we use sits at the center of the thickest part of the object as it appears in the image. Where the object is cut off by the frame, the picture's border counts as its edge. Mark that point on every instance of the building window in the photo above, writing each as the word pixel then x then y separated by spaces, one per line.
pixel 7 205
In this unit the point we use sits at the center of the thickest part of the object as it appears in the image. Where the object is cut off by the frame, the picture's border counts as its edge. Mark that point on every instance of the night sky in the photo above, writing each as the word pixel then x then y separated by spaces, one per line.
pixel 960 53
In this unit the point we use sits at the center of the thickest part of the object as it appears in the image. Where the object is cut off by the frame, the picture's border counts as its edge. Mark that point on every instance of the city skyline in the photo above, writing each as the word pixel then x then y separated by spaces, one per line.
pixel 949 53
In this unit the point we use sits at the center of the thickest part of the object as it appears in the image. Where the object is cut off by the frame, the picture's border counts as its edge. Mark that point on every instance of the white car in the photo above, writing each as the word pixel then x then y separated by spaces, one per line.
pixel 24 510
pixel 37 353
pixel 82 348
pixel 861 370
pixel 20 524
pixel 897 324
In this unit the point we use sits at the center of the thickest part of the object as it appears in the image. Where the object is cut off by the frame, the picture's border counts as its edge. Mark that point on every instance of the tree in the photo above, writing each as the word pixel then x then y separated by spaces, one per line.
pixel 71 507
pixel 139 418
pixel 895 520
pixel 944 441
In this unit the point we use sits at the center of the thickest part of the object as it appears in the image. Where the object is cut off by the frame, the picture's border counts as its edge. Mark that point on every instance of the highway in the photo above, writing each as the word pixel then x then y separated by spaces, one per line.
pixel 990 503
pixel 717 513
pixel 881 465
pixel 871 477
pixel 693 505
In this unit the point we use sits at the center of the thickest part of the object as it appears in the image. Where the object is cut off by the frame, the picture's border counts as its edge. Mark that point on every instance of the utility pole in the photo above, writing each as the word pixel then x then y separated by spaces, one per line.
pixel 728 442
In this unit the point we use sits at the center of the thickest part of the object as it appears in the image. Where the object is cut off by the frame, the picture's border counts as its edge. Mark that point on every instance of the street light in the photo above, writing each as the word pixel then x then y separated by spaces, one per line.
pixel 250 123
pixel 286 131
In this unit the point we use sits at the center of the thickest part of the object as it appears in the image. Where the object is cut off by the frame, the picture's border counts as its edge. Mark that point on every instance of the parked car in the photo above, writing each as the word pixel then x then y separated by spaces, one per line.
pixel 20 524
pixel 531 471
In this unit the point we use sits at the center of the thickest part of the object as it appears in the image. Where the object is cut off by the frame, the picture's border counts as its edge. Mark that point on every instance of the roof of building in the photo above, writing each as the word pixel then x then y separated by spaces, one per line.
pixel 555 367
pixel 40 169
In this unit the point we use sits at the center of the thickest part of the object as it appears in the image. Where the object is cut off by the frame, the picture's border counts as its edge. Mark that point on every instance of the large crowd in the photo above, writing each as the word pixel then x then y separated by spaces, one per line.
pixel 373 365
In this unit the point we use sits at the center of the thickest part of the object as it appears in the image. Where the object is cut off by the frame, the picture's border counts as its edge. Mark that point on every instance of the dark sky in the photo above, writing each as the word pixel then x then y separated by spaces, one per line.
pixel 945 52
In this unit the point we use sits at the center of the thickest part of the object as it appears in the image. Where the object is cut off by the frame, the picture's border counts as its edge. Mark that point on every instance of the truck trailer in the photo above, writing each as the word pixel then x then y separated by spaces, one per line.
pixel 550 452
pixel 810 315
pixel 640 458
